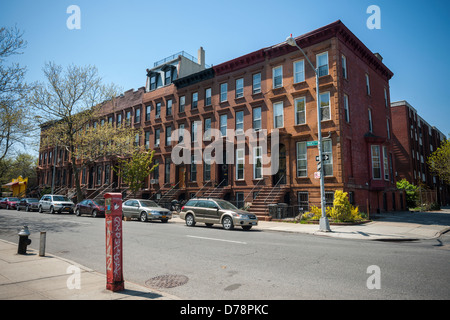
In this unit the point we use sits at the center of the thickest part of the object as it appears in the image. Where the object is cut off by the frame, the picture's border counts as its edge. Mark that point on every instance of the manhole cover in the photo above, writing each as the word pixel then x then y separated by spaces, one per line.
pixel 167 281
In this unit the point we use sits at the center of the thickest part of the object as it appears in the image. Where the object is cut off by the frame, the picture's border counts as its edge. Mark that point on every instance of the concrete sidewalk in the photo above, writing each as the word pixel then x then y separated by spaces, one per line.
pixel 31 277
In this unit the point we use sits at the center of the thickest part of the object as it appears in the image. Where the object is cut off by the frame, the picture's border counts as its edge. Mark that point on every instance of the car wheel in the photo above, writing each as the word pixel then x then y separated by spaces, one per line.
pixel 227 223
pixel 144 216
pixel 190 221
pixel 94 213
pixel 77 212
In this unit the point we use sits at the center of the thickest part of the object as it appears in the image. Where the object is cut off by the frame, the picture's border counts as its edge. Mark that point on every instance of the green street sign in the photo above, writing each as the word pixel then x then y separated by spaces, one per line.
pixel 312 143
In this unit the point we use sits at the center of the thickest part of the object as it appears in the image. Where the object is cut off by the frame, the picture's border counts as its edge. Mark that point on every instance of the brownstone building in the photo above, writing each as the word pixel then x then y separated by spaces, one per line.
pixel 414 140
pixel 271 88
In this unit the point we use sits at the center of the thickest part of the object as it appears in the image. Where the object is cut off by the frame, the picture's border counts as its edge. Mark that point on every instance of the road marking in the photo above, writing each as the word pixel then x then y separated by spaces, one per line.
pixel 217 239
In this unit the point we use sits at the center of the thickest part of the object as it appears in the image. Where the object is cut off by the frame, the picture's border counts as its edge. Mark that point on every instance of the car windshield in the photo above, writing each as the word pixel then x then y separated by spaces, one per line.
pixel 226 205
pixel 148 203
pixel 32 200
pixel 99 202
pixel 60 198
pixel 13 199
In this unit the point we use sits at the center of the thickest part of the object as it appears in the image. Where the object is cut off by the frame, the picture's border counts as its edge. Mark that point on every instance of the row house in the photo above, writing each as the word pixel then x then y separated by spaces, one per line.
pixel 414 141
pixel 273 89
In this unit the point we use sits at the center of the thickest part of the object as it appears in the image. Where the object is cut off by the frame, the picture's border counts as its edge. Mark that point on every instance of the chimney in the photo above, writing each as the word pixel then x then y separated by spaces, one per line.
pixel 379 56
pixel 201 57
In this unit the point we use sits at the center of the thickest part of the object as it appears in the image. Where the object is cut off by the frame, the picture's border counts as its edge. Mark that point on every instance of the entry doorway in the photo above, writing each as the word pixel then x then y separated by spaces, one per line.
pixel 280 176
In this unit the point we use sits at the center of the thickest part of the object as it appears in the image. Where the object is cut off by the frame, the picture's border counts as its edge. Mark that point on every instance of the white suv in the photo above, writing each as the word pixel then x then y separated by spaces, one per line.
pixel 56 203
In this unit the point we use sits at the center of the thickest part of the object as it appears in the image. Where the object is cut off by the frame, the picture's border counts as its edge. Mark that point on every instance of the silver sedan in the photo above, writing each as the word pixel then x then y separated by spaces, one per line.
pixel 145 210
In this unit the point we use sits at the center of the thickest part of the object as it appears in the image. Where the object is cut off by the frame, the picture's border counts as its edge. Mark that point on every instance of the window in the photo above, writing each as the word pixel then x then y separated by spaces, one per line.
pixel 302 162
pixel 299 71
pixel 223 124
pixel 367 84
pixel 207 135
pixel 386 102
pixel 136 140
pixel 223 92
pixel 376 168
pixel 168 76
pixel 385 164
pixel 156 171
pixel 239 122
pixel 193 176
pixel 195 100
pixel 240 88
pixel 107 173
pixel 153 81
pixel 208 97
pixel 239 200
pixel 99 174
pixel 137 115
pixel 257 118
pixel 256 83
pixel 370 120
pixel 169 107
pixel 346 109
pixel 168 136
pixel 344 66
pixel 194 129
pixel 257 163
pixel 119 119
pixel 128 118
pixel 147 140
pixel 277 77
pixel 300 113
pixel 180 132
pixel 240 153
pixel 329 198
pixel 327 164
pixel 388 129
pixel 325 113
pixel 158 110
pixel 148 109
pixel 278 121
pixel 207 168
pixel 182 104
pixel 167 170
pixel 157 134
pixel 322 64
pixel 110 120
pixel 303 201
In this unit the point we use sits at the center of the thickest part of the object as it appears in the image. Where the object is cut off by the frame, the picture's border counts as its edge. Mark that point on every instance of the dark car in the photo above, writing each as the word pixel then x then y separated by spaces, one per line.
pixel 9 203
pixel 94 207
pixel 28 204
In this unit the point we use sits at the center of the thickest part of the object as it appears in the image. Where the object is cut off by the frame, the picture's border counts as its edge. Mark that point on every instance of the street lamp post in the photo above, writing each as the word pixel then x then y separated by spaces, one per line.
pixel 324 224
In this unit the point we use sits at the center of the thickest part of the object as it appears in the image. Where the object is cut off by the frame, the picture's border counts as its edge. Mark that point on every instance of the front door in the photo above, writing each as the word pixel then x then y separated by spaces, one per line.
pixel 280 176
pixel 181 176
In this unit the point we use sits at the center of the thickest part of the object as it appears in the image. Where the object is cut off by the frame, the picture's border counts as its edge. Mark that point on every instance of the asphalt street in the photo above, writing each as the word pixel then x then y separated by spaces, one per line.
pixel 211 263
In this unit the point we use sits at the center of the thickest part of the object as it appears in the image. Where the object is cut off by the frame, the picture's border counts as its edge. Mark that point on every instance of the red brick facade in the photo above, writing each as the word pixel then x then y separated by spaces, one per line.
pixel 360 151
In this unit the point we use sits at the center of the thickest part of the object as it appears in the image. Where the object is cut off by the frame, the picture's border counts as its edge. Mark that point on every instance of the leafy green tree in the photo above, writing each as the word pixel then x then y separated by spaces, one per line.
pixel 439 161
pixel 411 192
pixel 135 169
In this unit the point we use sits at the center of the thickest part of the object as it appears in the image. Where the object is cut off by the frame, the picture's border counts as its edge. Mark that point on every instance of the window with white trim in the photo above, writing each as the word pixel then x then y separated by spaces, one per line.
pixel 223 125
pixel 302 159
pixel 277 77
pixel 223 92
pixel 344 67
pixel 240 153
pixel 257 118
pixel 299 71
pixel 257 163
pixel 278 118
pixel 376 165
pixel 385 163
pixel 239 88
pixel 300 110
pixel 346 109
pixel 325 113
pixel 322 63
pixel 239 122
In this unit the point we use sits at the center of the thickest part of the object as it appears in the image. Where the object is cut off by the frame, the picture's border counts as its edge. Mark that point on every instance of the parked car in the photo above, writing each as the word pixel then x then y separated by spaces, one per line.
pixel 28 204
pixel 94 207
pixel 216 211
pixel 145 210
pixel 55 203
pixel 9 203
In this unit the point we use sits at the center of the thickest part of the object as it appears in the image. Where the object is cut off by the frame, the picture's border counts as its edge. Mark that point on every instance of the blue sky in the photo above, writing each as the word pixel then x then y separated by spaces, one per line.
pixel 124 38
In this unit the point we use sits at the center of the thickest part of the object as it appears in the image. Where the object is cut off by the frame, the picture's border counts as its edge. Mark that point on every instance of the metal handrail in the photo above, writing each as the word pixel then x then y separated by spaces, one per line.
pixel 277 185
pixel 162 197
pixel 251 191
pixel 207 182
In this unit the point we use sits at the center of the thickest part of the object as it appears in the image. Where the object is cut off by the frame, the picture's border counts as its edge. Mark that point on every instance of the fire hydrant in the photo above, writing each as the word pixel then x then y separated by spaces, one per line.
pixel 23 240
